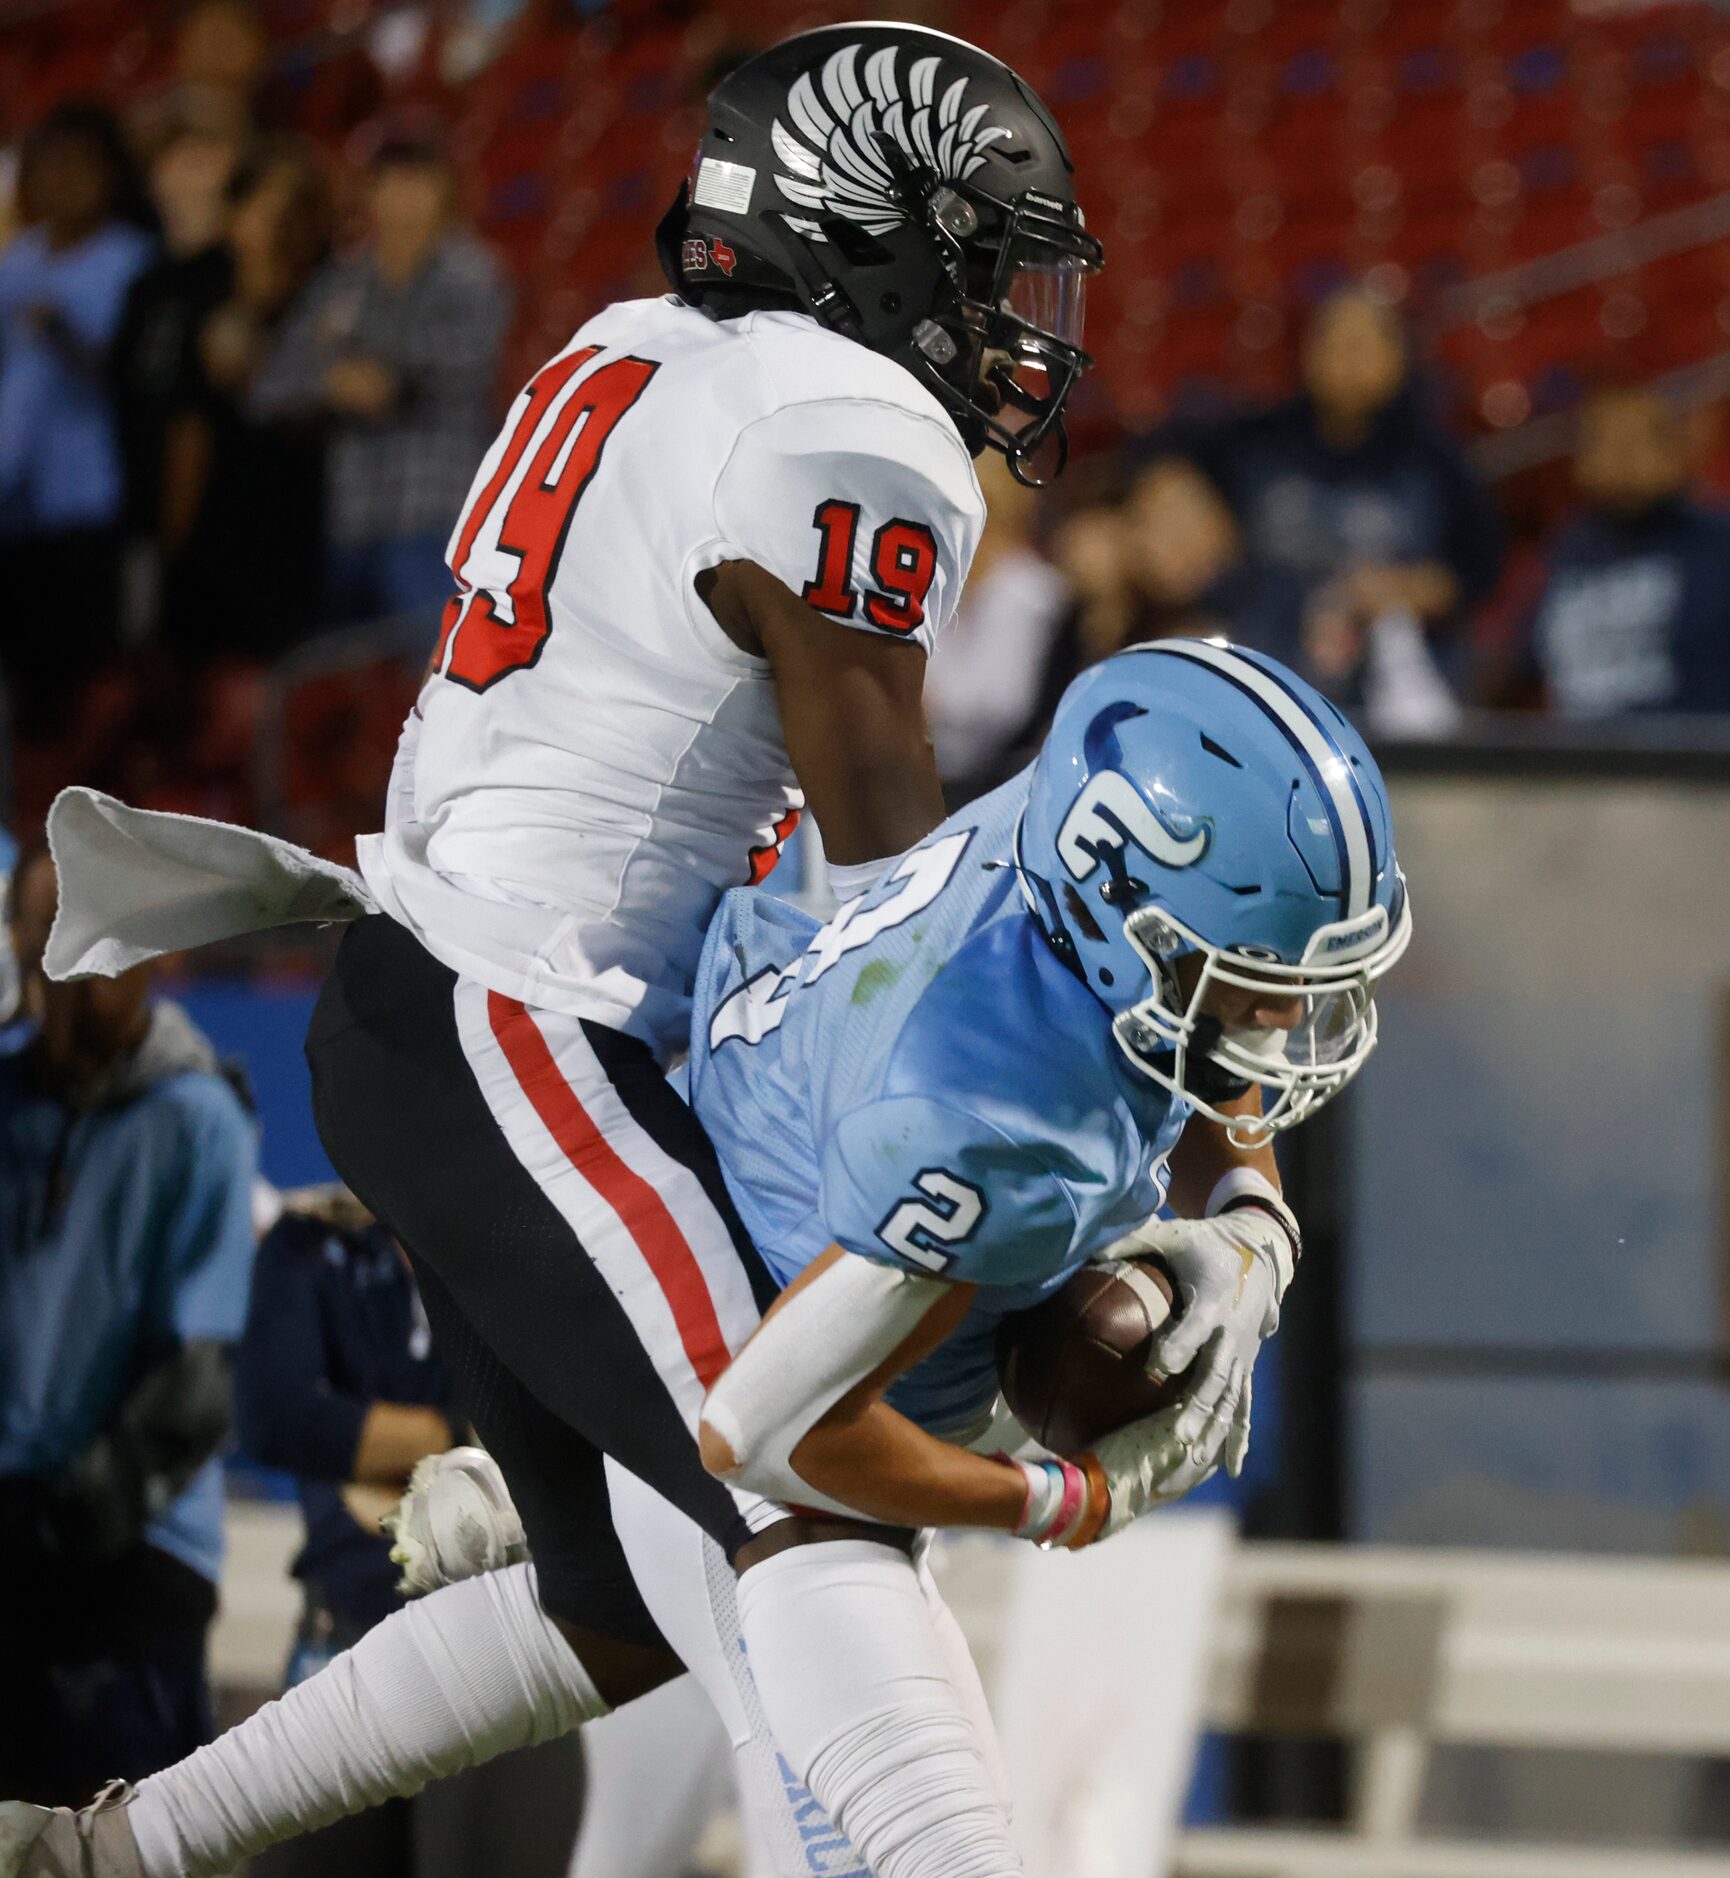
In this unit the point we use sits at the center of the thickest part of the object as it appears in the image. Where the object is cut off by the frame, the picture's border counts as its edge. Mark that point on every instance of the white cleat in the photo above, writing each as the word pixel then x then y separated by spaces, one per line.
pixel 56 1842
pixel 455 1520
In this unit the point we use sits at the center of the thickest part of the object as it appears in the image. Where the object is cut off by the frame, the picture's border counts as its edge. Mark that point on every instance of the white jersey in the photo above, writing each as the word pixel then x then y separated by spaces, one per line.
pixel 592 762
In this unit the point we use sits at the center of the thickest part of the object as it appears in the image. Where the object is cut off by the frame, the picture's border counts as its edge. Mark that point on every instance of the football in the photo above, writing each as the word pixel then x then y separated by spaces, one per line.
pixel 1073 1367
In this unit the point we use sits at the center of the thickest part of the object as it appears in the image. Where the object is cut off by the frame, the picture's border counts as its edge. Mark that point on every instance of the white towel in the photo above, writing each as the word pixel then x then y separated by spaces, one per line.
pixel 138 883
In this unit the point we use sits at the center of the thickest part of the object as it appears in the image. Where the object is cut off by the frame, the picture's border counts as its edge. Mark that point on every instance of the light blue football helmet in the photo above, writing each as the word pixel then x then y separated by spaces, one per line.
pixel 1194 798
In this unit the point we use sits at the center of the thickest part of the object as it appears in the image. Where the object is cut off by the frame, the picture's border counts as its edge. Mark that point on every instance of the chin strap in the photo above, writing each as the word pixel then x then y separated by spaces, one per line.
pixel 1202 1070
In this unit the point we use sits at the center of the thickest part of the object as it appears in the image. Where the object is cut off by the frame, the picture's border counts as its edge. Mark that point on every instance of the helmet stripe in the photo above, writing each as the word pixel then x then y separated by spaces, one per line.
pixel 1354 841
pixel 1282 679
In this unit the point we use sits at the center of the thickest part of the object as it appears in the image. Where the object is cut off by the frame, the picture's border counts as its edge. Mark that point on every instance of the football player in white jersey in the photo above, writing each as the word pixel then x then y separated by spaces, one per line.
pixel 697 576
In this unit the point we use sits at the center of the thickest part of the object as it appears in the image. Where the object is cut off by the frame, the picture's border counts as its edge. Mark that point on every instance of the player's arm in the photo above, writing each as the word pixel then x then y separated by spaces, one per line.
pixel 1205 1155
pixel 799 1416
pixel 845 527
pixel 851 712
pixel 925 1201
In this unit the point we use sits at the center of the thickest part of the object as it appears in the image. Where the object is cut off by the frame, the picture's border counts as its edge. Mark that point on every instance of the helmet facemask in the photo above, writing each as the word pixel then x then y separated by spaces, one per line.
pixel 981 298
pixel 1009 350
pixel 1170 1036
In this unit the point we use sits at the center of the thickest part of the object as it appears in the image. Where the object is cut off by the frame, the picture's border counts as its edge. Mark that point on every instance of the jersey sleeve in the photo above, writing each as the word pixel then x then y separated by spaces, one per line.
pixel 868 511
pixel 911 1182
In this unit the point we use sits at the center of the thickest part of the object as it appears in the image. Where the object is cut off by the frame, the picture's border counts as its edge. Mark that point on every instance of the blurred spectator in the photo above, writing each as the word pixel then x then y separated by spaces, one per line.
pixel 1354 492
pixel 395 351
pixel 155 356
pixel 126 1170
pixel 338 1383
pixel 63 283
pixel 13 1030
pixel 1165 561
pixel 242 503
pixel 984 676
pixel 1635 609
pixel 1087 546
pixel 221 59
pixel 1190 571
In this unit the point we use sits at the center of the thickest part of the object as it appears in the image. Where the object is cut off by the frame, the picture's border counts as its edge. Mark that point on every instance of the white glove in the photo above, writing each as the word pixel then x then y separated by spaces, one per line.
pixel 1073 1503
pixel 1230 1272
pixel 1149 1462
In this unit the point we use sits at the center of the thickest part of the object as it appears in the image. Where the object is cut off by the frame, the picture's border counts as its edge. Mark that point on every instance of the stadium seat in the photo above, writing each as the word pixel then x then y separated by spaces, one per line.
pixel 1232 151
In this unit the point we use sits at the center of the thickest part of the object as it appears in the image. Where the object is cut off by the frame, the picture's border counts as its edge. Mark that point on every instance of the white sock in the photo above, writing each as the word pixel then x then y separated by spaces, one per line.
pixel 464 1674
pixel 671 1745
pixel 857 1684
pixel 690 1589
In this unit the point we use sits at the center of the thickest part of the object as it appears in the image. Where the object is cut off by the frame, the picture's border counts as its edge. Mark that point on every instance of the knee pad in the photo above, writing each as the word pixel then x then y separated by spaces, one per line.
pixel 913 1790
pixel 858 1688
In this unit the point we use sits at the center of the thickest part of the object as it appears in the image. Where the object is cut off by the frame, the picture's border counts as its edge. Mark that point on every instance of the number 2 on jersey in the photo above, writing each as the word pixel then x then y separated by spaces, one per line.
pixel 523 514
pixel 926 1231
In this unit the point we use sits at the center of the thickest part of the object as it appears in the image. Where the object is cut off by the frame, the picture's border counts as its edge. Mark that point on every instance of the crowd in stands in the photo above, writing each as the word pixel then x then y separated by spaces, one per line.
pixel 223 432
pixel 143 1326
pixel 1345 532
pixel 245 376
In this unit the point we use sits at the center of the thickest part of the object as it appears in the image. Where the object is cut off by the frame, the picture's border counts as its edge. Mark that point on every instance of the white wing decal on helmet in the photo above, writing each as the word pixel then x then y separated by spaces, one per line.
pixel 830 146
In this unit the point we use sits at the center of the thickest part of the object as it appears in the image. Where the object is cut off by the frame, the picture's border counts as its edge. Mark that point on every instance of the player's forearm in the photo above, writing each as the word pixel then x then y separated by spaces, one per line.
pixel 887 1468
pixel 799 1415
pixel 877 802
pixel 1205 1154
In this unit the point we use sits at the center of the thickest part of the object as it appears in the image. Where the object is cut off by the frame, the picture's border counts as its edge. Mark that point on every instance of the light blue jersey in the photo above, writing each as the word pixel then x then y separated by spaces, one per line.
pixel 923 1082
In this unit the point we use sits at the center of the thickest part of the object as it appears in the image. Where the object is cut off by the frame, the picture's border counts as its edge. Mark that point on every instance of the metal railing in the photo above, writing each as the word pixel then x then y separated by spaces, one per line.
pixel 1696 225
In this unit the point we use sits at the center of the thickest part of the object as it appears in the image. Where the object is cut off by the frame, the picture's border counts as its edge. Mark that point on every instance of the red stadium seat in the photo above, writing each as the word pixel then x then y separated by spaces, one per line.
pixel 1406 26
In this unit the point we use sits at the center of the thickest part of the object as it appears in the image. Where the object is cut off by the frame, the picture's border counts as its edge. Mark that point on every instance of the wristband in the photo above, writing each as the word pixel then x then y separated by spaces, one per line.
pixel 1096 1509
pixel 1060 1501
pixel 1044 1499
pixel 853 878
pixel 1244 1188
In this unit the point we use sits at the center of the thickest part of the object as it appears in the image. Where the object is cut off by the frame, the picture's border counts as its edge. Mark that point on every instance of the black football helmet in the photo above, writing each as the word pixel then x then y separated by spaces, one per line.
pixel 910 192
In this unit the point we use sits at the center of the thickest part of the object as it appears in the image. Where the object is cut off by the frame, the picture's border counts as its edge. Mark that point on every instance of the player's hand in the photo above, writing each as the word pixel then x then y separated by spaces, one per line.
pixel 1230 1273
pixel 1153 1462
pixel 1072 1503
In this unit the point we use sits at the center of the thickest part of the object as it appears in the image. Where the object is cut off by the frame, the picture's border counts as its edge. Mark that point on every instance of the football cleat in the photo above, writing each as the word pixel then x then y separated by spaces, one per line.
pixel 96 1841
pixel 455 1520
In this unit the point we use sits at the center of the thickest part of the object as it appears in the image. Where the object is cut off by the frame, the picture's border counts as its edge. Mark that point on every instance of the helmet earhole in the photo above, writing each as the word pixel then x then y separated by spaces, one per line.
pixel 1082 914
pixel 1105 977
pixel 890 303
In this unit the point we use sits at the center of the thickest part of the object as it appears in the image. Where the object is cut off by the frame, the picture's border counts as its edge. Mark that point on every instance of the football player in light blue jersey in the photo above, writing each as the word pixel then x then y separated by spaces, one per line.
pixel 1093 997
pixel 1098 992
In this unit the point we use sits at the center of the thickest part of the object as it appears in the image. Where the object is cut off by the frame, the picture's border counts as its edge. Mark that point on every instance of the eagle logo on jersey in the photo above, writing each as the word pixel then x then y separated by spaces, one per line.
pixel 830 149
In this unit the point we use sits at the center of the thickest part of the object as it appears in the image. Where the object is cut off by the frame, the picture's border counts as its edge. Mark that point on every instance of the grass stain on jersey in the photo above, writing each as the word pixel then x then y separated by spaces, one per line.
pixel 874 980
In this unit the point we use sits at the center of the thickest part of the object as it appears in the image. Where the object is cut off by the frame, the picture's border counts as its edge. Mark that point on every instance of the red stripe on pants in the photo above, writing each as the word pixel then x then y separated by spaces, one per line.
pixel 641 1210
